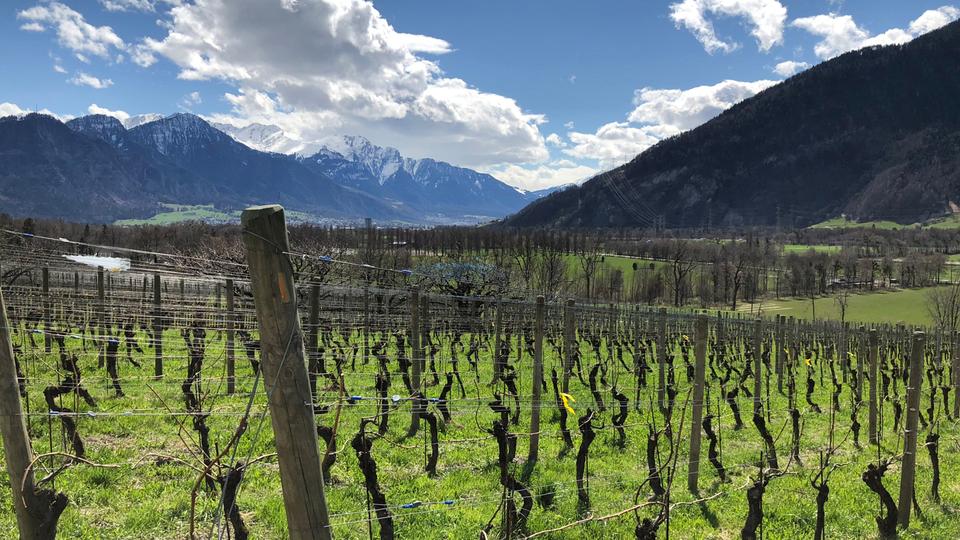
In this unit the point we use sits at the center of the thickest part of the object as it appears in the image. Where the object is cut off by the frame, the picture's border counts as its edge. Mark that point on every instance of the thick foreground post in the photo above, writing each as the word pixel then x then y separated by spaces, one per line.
pixel 37 511
pixel 285 372
pixel 535 404
pixel 699 374
pixel 908 472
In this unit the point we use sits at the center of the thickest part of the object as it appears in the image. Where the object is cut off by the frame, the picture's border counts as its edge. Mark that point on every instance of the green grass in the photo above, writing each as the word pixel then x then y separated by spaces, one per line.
pixel 144 498
pixel 907 306
pixel 178 213
pixel 949 222
pixel 844 223
pixel 803 248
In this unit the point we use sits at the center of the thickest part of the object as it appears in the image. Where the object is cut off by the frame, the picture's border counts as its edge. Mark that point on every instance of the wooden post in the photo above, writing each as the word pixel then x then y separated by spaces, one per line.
pixel 497 334
pixel 313 332
pixel 37 519
pixel 662 359
pixel 909 464
pixel 101 316
pixel 231 366
pixel 757 366
pixel 285 372
pixel 416 353
pixel 874 350
pixel 46 309
pixel 535 404
pixel 157 328
pixel 700 353
pixel 780 350
pixel 569 343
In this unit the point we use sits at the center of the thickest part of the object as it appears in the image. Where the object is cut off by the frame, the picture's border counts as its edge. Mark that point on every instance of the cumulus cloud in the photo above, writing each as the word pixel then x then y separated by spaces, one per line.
pixel 123 116
pixel 128 5
pixel 73 31
pixel 12 109
pixel 555 140
pixel 840 33
pixel 659 113
pixel 342 68
pixel 532 178
pixel 789 68
pixel 764 18
pixel 189 101
pixel 85 79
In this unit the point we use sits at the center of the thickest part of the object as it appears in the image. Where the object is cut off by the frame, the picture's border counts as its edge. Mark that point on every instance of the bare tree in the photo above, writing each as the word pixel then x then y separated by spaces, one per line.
pixel 943 303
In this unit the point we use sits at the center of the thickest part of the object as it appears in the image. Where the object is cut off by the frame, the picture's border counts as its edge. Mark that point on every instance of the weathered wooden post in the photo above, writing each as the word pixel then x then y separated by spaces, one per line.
pixel 569 343
pixel 909 464
pixel 313 331
pixel 101 316
pixel 231 364
pixel 757 366
pixel 497 335
pixel 37 511
pixel 285 372
pixel 157 328
pixel 780 349
pixel 46 310
pixel 874 351
pixel 535 404
pixel 662 359
pixel 416 353
pixel 700 353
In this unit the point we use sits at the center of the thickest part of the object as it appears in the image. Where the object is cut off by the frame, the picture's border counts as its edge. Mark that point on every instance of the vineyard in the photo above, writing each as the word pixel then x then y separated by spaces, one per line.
pixel 159 396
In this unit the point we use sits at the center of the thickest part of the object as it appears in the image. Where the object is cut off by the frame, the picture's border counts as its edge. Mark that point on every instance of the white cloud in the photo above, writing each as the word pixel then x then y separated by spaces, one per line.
pixel 932 19
pixel 85 79
pixel 190 100
pixel 659 113
pixel 789 68
pixel 765 19
pixel 59 69
pixel 568 125
pixel 11 109
pixel 556 140
pixel 128 5
pixel 840 33
pixel 73 31
pixel 532 178
pixel 671 111
pixel 342 68
pixel 122 116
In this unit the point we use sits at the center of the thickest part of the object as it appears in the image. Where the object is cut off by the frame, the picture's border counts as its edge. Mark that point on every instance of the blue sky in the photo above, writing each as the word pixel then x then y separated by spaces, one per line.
pixel 537 92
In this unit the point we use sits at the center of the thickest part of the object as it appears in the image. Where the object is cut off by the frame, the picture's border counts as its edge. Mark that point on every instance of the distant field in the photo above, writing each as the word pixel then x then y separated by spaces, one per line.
pixel 908 306
pixel 177 213
pixel 843 223
pixel 803 248
pixel 949 222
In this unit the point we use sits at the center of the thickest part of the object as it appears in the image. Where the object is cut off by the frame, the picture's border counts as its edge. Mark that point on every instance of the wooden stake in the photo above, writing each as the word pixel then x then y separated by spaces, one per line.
pixel 909 464
pixel 700 353
pixel 285 372
pixel 535 404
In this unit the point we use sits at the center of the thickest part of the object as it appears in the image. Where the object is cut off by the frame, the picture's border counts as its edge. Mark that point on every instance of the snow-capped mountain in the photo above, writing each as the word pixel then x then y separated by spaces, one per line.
pixel 140 119
pixel 433 188
pixel 183 159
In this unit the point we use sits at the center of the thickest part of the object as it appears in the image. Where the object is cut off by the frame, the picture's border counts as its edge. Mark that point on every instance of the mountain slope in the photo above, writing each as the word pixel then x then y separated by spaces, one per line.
pixel 874 134
pixel 432 189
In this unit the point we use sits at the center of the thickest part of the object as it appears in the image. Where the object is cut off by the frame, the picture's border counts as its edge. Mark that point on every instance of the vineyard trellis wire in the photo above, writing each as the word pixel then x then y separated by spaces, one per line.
pixel 416 397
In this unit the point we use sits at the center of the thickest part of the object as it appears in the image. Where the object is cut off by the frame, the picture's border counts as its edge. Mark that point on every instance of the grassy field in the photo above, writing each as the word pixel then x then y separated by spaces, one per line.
pixel 177 213
pixel 843 223
pixel 908 306
pixel 803 248
pixel 146 494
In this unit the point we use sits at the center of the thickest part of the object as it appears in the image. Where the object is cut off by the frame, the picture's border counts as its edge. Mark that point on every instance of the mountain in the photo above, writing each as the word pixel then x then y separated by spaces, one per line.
pixel 435 190
pixel 93 168
pixel 873 134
